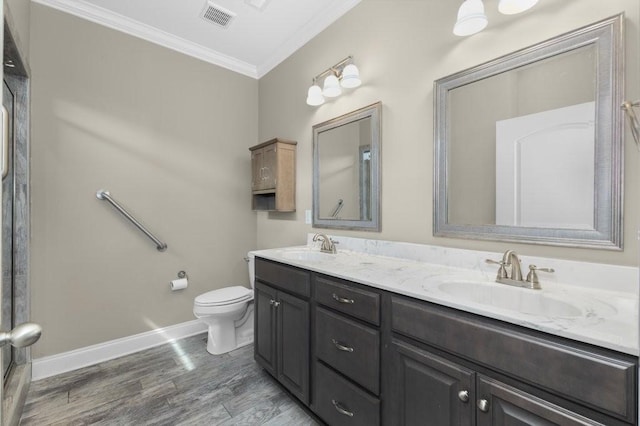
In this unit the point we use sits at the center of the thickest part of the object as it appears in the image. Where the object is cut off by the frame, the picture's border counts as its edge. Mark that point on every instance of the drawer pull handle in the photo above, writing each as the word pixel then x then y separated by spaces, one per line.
pixel 463 395
pixel 342 299
pixel 340 409
pixel 483 405
pixel 341 347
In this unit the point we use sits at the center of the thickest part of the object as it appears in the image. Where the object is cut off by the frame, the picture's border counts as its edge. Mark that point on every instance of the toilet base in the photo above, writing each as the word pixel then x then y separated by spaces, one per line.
pixel 226 335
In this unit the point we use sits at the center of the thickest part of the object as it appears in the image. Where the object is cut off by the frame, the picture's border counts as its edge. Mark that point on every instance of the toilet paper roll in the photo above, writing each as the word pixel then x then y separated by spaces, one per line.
pixel 179 284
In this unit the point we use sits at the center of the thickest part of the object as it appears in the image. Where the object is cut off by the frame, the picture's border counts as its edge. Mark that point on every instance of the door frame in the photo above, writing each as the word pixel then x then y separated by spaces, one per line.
pixel 17 78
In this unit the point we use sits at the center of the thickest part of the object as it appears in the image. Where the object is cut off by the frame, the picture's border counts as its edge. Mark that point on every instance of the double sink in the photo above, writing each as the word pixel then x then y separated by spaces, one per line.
pixel 477 291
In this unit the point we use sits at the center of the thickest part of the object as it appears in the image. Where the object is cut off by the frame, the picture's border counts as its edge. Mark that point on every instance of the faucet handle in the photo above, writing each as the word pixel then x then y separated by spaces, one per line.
pixel 502 271
pixel 532 277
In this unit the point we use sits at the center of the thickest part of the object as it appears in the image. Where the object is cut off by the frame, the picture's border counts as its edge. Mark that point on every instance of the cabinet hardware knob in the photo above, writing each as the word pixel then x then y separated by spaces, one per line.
pixel 342 299
pixel 341 347
pixel 463 395
pixel 483 405
pixel 340 409
pixel 276 304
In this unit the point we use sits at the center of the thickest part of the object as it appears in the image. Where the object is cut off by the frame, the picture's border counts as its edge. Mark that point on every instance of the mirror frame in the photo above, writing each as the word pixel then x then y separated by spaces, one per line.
pixel 374 112
pixel 607 37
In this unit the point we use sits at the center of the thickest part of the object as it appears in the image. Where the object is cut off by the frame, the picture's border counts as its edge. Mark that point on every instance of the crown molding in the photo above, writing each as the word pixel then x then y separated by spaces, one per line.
pixel 308 32
pixel 134 28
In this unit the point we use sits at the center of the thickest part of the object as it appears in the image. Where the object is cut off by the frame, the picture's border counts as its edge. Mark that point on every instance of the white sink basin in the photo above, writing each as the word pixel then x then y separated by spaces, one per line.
pixel 502 296
pixel 307 255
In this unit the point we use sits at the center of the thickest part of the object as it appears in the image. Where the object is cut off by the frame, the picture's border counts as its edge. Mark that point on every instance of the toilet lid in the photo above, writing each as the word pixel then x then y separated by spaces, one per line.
pixel 224 296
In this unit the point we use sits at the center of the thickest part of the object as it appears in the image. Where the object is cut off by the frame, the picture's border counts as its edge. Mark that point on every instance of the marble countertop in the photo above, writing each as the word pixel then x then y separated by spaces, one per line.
pixel 602 317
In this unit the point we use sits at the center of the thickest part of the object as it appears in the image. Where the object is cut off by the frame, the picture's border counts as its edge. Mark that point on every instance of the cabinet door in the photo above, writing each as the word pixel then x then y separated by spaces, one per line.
pixel 257 169
pixel 502 405
pixel 428 390
pixel 293 345
pixel 269 166
pixel 265 327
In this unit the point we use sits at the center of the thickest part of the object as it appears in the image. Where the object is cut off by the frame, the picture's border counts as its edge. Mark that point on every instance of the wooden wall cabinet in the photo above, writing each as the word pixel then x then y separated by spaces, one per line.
pixel 273 176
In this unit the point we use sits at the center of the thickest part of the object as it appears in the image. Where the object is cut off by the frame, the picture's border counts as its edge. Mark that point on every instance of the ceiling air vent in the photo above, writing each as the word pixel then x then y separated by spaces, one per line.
pixel 217 15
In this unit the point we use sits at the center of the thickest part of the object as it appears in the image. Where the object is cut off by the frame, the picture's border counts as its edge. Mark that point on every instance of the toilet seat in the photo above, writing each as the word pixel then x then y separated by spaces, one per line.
pixel 224 296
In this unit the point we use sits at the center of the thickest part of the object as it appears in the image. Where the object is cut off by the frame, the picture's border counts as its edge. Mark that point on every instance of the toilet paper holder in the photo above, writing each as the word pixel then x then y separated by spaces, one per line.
pixel 183 274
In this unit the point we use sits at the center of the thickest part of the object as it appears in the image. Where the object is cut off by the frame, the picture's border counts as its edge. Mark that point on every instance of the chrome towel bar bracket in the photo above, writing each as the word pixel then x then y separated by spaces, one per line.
pixel 104 195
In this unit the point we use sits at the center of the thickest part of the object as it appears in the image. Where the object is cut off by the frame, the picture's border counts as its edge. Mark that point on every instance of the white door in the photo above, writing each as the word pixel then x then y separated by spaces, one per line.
pixel 542 157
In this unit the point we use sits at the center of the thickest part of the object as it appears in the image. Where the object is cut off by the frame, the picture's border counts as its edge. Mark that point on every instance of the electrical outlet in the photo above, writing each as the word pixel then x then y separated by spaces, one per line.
pixel 307 217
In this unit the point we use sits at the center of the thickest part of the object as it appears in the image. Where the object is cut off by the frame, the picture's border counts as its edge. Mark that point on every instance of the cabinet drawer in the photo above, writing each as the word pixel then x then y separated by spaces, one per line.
pixel 350 300
pixel 351 348
pixel 599 379
pixel 339 402
pixel 293 280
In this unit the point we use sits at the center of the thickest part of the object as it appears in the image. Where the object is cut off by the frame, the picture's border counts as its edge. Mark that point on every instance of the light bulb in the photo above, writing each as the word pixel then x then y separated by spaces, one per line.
pixel 471 18
pixel 314 96
pixel 331 87
pixel 350 77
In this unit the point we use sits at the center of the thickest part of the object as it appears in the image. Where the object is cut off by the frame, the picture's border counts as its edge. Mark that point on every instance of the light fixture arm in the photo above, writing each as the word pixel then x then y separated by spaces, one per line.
pixel 335 69
pixel 627 106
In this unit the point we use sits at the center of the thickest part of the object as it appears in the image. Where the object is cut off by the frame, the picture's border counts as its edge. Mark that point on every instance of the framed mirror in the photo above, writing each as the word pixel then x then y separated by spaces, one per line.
pixel 346 171
pixel 529 146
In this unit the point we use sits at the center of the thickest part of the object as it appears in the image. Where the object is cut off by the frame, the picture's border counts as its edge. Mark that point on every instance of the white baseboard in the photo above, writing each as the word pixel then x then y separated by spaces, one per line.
pixel 90 355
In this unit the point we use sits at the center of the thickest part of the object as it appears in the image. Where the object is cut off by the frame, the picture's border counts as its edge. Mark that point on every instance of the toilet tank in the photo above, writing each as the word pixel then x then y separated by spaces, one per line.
pixel 251 262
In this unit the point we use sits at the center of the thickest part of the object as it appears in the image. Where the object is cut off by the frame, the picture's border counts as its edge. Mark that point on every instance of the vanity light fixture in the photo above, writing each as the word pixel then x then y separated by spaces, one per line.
pixel 472 19
pixel 344 74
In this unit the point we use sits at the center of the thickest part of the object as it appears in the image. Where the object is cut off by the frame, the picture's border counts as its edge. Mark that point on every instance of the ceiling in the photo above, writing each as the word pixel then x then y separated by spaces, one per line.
pixel 259 35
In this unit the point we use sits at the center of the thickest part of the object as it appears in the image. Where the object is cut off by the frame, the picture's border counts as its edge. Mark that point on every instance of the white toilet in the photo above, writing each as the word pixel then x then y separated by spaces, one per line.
pixel 229 314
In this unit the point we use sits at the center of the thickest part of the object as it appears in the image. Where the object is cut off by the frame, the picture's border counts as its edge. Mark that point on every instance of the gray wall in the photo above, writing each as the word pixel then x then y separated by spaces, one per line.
pixel 409 45
pixel 168 135
pixel 18 13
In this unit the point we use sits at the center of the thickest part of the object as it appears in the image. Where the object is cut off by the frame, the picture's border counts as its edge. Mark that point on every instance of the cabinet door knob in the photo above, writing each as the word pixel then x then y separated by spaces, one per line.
pixel 340 409
pixel 342 299
pixel 463 395
pixel 341 347
pixel 276 304
pixel 483 405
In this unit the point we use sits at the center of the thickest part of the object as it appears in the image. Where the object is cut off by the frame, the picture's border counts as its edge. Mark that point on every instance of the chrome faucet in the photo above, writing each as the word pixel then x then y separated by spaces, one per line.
pixel 510 257
pixel 510 271
pixel 328 245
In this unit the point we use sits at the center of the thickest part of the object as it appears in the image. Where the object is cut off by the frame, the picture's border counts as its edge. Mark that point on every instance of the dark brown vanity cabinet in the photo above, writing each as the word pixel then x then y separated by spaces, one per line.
pixel 346 337
pixel 450 372
pixel 503 405
pixel 281 334
pixel 361 356
pixel 426 386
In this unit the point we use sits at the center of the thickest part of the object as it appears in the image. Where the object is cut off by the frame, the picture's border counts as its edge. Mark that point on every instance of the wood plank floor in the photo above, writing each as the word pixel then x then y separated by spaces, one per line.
pixel 174 384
